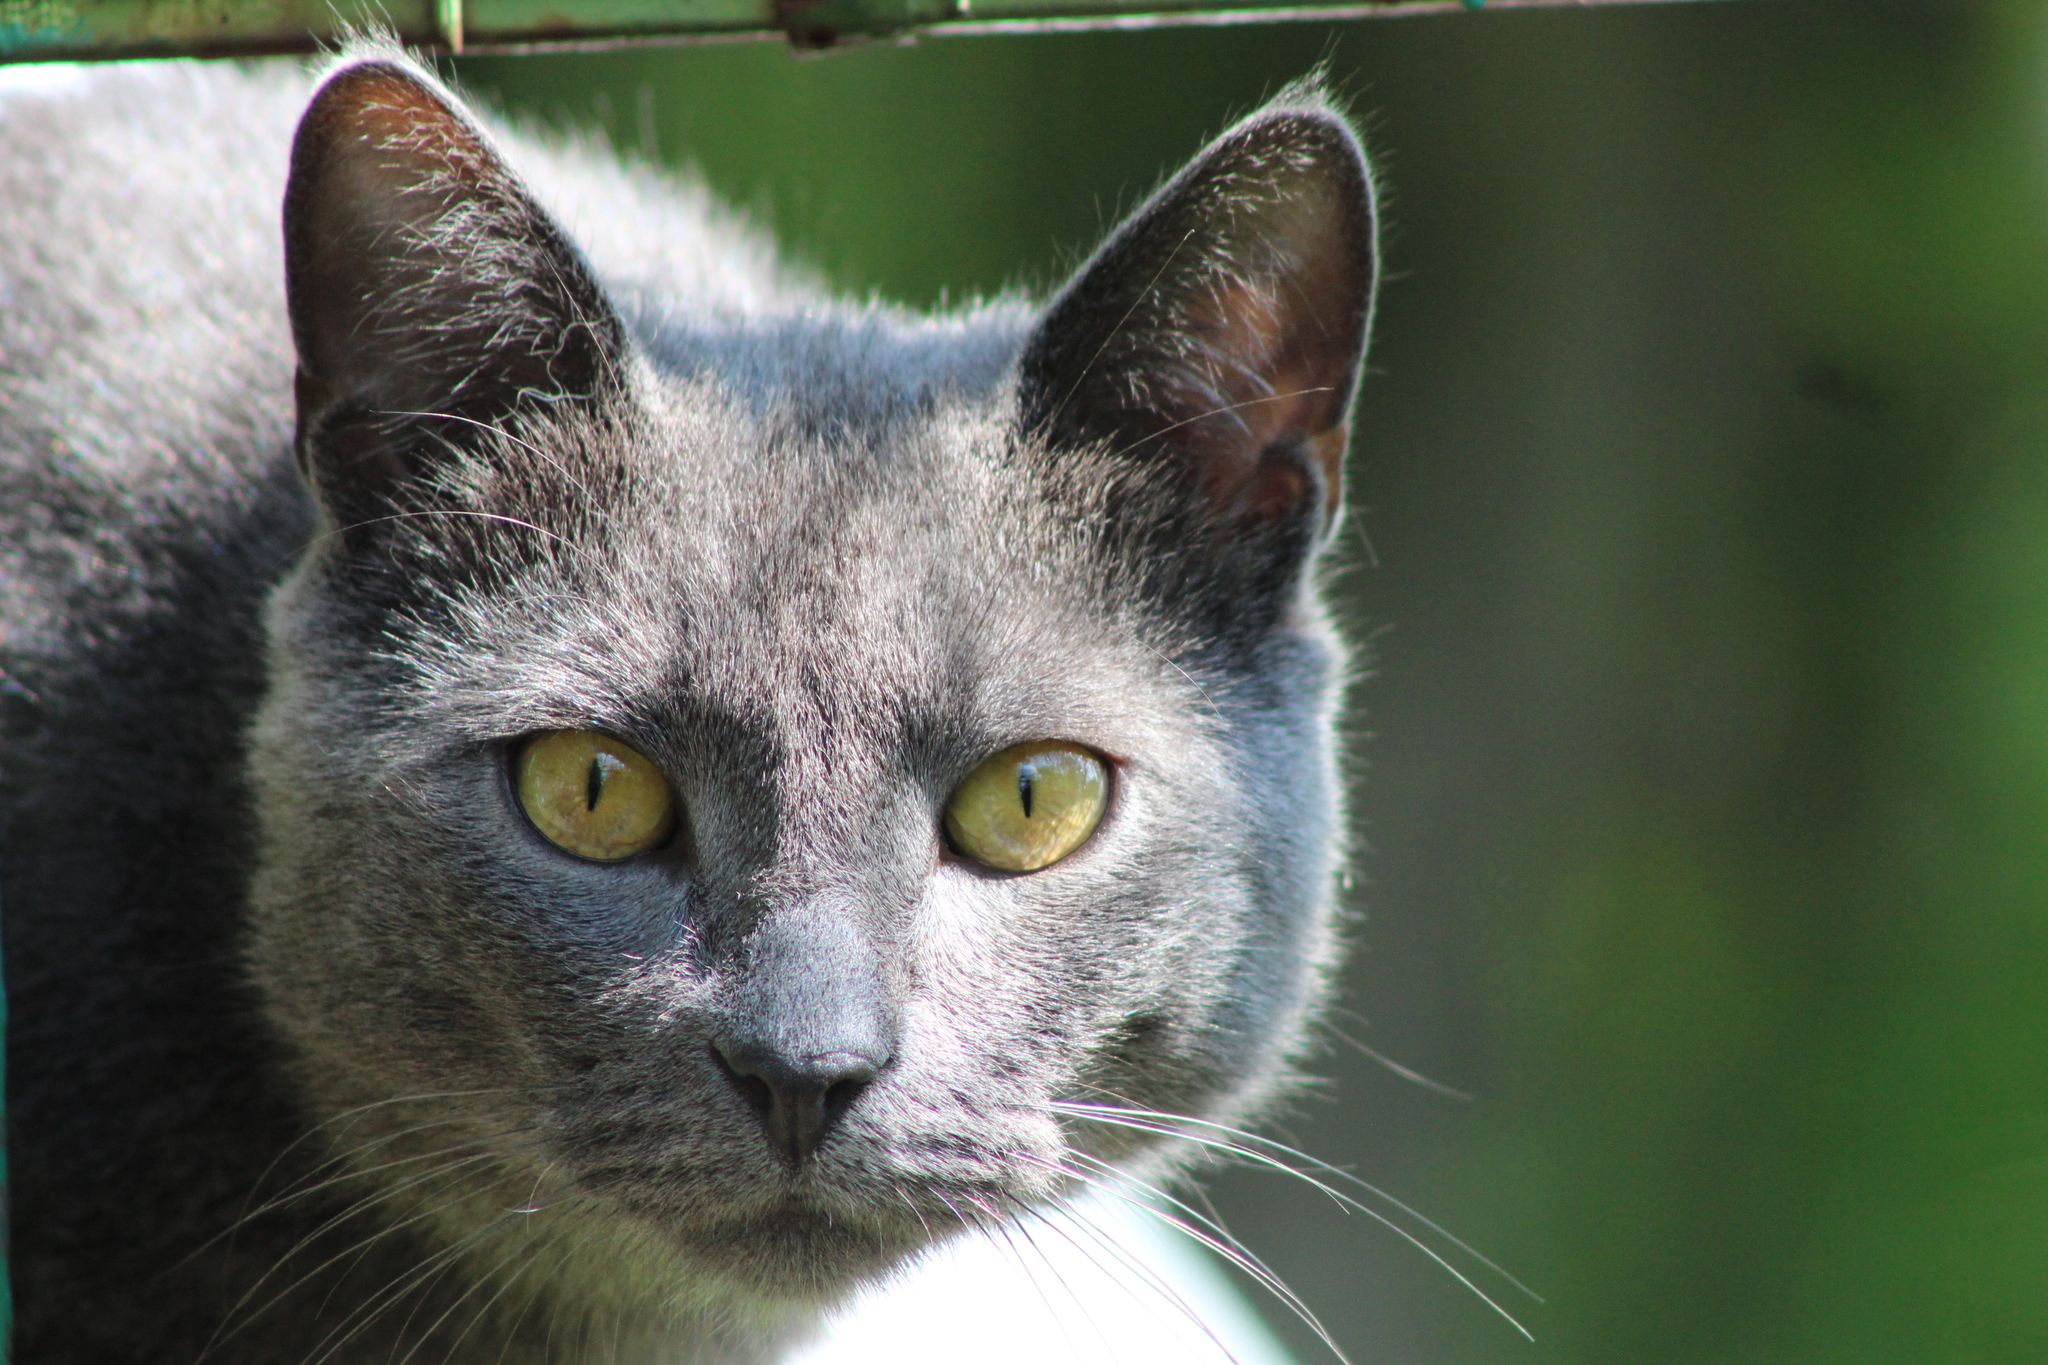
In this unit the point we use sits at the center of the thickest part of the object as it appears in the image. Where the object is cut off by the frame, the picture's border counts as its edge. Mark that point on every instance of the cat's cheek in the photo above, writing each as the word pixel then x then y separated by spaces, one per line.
pixel 984 1011
pixel 602 924
pixel 963 930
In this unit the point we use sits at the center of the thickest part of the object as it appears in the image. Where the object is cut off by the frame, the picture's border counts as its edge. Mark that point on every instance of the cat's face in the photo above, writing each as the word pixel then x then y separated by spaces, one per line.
pixel 788 1025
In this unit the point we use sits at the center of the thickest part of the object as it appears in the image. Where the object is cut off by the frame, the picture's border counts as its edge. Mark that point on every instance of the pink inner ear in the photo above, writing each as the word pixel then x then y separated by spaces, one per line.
pixel 1269 408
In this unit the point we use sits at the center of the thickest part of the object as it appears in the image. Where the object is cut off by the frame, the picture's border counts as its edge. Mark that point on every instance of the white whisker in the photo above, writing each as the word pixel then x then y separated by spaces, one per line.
pixel 1218 1239
pixel 1150 1278
pixel 1173 1127
pixel 1335 1172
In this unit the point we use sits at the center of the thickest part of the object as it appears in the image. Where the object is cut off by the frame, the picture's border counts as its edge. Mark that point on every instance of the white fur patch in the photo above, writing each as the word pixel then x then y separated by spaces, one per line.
pixel 1102 1285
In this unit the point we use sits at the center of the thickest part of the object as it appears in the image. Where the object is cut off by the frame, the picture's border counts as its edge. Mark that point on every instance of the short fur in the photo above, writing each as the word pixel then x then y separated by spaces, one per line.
pixel 317 1050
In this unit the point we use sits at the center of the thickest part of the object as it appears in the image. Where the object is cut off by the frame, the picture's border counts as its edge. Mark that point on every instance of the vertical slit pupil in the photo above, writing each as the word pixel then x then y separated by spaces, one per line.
pixel 1024 776
pixel 602 766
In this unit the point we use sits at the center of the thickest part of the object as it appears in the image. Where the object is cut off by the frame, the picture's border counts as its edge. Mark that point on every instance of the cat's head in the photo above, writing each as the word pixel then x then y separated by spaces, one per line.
pixel 738 819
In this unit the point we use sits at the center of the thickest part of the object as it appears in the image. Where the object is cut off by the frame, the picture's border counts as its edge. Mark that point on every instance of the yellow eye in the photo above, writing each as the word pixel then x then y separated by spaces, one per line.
pixel 1028 806
pixel 593 796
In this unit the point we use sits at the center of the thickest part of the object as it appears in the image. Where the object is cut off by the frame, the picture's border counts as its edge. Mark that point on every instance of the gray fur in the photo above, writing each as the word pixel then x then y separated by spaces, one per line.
pixel 314 1040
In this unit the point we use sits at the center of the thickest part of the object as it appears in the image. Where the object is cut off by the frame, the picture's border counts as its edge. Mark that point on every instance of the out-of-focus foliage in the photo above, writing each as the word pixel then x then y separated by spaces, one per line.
pixel 1705 769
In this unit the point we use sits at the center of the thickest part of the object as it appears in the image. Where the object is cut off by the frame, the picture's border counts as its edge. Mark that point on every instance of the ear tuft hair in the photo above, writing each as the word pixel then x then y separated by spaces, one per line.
pixel 1223 326
pixel 429 294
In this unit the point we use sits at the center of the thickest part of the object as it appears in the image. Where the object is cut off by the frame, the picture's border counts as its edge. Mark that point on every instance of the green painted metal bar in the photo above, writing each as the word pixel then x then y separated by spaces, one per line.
pixel 85 30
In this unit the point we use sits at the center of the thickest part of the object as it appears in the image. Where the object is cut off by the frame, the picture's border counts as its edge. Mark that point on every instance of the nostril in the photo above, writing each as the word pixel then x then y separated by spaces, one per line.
pixel 755 1091
pixel 798 1100
pixel 840 1095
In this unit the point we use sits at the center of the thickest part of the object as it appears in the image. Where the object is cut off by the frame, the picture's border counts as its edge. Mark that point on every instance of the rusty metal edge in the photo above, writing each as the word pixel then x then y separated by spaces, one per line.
pixel 1090 23
pixel 452 37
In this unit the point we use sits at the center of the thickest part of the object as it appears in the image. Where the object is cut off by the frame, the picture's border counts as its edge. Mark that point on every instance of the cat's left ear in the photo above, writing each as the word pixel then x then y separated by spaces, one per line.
pixel 1223 325
pixel 430 296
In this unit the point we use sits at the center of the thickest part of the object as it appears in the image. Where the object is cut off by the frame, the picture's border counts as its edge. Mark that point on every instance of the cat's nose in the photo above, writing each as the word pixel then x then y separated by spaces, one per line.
pixel 810 1024
pixel 798 1099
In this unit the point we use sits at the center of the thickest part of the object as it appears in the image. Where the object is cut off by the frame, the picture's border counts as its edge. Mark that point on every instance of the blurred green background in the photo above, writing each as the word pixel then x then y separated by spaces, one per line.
pixel 1704 767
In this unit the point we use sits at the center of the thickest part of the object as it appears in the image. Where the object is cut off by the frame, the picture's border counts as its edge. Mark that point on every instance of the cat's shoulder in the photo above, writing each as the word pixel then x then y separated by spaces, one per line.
pixel 141 270
pixel 141 303
pixel 145 354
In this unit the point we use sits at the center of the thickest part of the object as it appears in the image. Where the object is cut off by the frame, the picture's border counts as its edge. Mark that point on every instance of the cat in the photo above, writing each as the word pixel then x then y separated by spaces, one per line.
pixel 570 796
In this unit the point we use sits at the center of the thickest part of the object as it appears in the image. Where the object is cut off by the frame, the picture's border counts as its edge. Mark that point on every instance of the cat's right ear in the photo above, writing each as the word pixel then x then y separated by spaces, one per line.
pixel 430 296
pixel 1217 336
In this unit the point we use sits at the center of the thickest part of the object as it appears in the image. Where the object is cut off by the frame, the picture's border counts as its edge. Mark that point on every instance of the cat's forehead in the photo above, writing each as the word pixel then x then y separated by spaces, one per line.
pixel 916 544
pixel 908 572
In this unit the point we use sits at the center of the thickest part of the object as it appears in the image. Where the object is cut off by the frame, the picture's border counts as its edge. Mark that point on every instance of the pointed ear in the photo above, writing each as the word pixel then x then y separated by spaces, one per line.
pixel 1222 327
pixel 430 296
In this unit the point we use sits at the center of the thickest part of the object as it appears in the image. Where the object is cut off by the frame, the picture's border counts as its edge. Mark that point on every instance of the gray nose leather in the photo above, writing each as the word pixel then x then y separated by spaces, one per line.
pixel 812 1024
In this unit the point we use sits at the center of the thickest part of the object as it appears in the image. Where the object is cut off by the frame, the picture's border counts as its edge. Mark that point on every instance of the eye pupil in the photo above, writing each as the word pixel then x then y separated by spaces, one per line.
pixel 1028 806
pixel 593 796
pixel 602 766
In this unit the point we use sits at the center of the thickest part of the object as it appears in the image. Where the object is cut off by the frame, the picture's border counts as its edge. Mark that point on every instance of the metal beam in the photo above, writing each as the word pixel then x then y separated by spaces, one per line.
pixel 88 30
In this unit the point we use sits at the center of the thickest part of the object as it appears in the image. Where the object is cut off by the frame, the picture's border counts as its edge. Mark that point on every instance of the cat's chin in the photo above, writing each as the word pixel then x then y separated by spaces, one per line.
pixel 801 1252
pixel 759 1279
pixel 791 1253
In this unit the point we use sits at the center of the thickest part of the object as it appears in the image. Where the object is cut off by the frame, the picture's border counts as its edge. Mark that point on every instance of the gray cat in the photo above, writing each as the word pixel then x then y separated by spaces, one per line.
pixel 624 797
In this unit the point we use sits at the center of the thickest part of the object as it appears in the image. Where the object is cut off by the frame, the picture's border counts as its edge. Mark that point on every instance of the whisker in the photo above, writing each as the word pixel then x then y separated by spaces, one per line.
pixel 359 1208
pixel 1201 691
pixel 308 1135
pixel 477 1283
pixel 230 1325
pixel 540 1245
pixel 1344 1200
pixel 349 1172
pixel 430 1268
pixel 1152 1279
pixel 499 431
pixel 570 545
pixel 1218 1240
pixel 1007 1231
pixel 1335 1172
pixel 1059 409
pixel 540 1287
pixel 1211 1233
pixel 1404 1072
pixel 1216 412
pixel 915 1211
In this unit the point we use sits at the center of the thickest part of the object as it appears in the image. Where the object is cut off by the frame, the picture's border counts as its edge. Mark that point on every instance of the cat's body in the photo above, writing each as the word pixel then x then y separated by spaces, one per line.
pixel 316 1046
